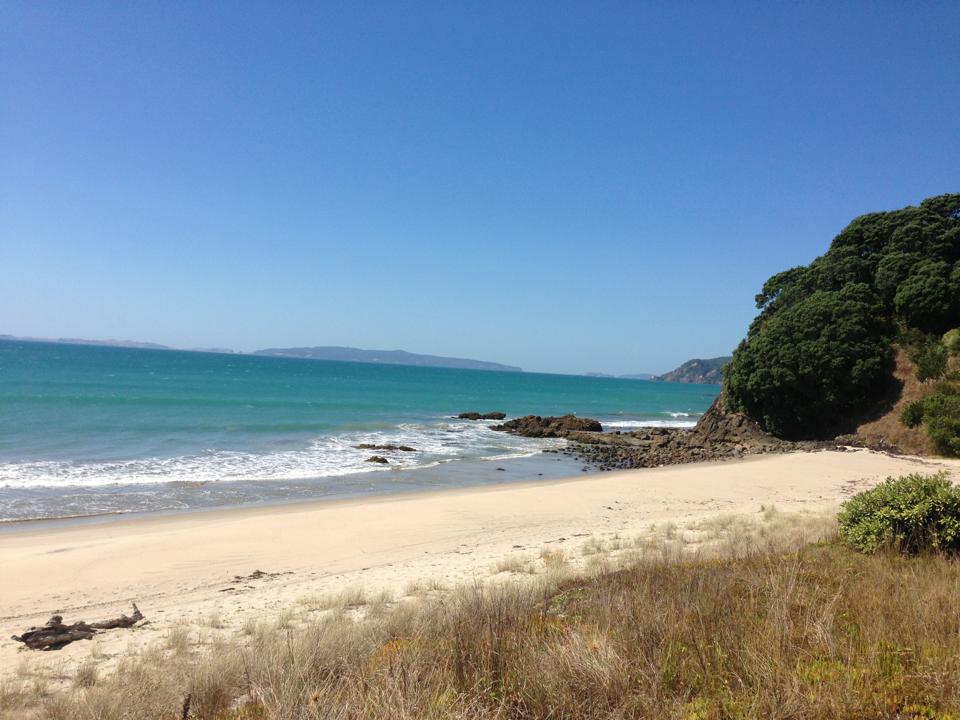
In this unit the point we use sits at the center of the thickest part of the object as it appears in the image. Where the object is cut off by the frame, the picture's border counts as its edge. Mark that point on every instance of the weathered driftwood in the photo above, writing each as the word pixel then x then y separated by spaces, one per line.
pixel 54 635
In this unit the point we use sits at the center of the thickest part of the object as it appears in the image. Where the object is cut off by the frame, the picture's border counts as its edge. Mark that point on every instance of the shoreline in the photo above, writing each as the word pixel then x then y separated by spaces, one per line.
pixel 466 474
pixel 183 568
pixel 42 526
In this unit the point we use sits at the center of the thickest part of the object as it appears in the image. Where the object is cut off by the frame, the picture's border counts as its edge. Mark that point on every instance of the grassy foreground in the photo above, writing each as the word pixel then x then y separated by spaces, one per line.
pixel 753 630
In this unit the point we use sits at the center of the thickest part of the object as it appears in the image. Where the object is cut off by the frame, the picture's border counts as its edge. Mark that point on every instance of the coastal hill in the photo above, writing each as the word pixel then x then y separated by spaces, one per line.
pixel 827 352
pixel 386 357
pixel 698 371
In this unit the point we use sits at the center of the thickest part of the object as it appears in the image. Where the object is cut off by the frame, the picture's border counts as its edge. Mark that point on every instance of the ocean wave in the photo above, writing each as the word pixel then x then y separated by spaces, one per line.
pixel 329 456
pixel 676 421
pixel 637 424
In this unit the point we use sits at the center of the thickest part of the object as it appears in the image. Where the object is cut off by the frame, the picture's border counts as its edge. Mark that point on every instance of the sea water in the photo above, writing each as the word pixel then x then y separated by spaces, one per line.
pixel 91 430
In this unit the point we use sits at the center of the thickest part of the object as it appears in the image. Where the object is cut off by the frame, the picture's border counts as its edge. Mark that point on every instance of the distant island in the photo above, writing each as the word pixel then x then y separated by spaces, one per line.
pixel 385 357
pixel 698 371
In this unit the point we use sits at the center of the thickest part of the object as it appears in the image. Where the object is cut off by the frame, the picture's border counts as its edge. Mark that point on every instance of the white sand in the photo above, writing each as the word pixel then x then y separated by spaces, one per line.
pixel 183 566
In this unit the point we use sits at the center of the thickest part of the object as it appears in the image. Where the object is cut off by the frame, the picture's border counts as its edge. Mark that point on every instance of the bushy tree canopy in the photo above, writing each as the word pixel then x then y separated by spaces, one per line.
pixel 819 351
pixel 825 354
pixel 926 299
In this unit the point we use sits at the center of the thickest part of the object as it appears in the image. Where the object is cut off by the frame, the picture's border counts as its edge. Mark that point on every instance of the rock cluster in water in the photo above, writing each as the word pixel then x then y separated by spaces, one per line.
pixel 481 416
pixel 549 427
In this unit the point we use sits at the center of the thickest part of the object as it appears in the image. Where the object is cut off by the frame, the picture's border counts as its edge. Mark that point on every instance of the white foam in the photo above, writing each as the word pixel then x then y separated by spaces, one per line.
pixel 641 423
pixel 325 457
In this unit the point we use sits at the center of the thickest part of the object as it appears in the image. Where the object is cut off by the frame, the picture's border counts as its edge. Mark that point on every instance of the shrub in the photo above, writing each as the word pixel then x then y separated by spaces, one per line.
pixel 914 514
pixel 912 414
pixel 944 431
pixel 930 359
pixel 951 341
pixel 940 414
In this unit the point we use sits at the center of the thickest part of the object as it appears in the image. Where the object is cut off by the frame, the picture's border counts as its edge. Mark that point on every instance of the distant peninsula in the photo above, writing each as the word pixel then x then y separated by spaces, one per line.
pixel 342 354
pixel 81 341
pixel 698 371
pixel 384 357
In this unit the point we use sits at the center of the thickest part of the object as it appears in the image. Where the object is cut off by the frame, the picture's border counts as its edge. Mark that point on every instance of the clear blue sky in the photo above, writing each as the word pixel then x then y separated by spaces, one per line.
pixel 564 186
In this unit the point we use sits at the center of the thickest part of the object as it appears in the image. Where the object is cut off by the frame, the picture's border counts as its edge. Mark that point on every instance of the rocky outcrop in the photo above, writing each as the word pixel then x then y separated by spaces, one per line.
pixel 719 426
pixel 718 435
pixel 549 427
pixel 481 416
pixel 379 459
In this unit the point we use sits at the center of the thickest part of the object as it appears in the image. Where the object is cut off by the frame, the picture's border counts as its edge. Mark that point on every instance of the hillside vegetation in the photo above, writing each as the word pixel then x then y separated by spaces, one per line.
pixel 819 358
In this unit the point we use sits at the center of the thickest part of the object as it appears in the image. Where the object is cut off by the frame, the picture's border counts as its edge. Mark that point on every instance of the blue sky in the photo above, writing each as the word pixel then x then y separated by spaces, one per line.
pixel 564 186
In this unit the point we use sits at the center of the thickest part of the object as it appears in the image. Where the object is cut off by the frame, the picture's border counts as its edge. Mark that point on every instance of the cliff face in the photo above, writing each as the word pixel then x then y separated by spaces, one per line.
pixel 703 372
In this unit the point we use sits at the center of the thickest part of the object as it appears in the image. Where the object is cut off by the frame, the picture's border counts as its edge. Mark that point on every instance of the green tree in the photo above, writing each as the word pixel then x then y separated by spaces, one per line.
pixel 819 351
pixel 927 299
pixel 823 358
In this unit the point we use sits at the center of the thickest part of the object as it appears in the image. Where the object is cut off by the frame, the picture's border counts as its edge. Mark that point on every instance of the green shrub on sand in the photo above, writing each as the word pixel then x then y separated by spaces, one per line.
pixel 913 514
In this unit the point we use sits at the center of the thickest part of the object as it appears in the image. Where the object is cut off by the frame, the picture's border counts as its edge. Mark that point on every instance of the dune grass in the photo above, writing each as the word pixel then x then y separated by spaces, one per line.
pixel 750 621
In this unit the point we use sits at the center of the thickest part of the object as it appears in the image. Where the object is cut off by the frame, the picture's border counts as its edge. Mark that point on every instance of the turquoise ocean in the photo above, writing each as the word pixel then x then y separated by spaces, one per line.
pixel 89 431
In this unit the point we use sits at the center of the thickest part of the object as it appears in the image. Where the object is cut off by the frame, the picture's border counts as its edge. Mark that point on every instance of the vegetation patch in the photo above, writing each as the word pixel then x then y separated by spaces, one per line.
pixel 819 356
pixel 938 412
pixel 913 514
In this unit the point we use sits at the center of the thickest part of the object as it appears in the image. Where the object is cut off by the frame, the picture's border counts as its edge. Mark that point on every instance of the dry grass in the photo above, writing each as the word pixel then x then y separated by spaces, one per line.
pixel 730 618
pixel 554 560
pixel 349 598
pixel 86 674
pixel 515 564
pixel 178 639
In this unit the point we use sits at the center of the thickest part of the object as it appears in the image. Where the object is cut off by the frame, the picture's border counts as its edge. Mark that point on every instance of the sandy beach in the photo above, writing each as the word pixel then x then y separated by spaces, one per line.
pixel 192 567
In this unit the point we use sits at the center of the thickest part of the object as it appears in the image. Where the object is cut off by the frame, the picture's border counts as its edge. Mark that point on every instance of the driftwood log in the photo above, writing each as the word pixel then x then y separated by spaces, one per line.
pixel 54 635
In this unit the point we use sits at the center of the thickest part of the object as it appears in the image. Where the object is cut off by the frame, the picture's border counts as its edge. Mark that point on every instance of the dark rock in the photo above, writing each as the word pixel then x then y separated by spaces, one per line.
pixel 481 416
pixel 378 459
pixel 718 425
pixel 718 435
pixel 881 445
pixel 549 427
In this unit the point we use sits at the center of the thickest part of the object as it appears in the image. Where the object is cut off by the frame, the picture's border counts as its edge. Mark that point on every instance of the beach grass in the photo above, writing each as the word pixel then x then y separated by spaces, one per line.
pixel 757 617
